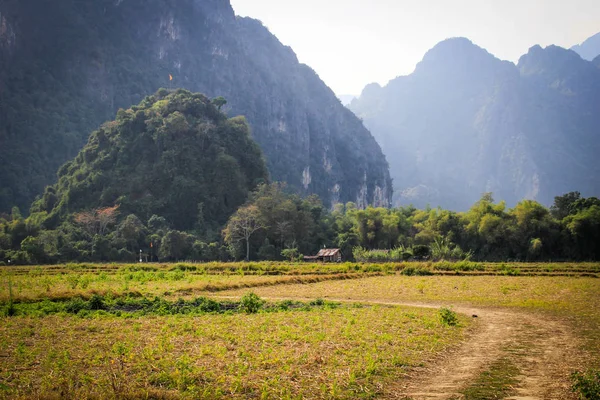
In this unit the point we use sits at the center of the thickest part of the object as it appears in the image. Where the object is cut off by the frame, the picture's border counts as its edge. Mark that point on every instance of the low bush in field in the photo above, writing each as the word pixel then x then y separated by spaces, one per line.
pixel 394 255
pixel 135 305
pixel 459 266
pixel 448 317
pixel 184 267
pixel 416 271
pixel 251 303
pixel 509 270
pixel 587 384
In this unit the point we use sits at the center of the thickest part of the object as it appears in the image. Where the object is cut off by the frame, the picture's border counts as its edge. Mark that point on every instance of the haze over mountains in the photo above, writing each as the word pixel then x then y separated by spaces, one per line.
pixel 589 49
pixel 466 122
pixel 68 66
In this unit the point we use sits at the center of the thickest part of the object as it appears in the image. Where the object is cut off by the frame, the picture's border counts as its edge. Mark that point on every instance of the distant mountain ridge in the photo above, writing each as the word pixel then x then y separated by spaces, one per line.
pixel 346 98
pixel 465 123
pixel 68 66
pixel 589 49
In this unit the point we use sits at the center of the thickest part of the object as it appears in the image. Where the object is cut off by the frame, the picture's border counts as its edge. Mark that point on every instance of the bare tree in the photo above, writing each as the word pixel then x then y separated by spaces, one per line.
pixel 106 216
pixel 87 220
pixel 96 221
pixel 242 225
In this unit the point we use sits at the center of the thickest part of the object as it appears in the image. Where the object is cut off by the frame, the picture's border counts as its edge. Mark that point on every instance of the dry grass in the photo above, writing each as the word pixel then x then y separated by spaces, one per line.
pixel 38 285
pixel 347 353
pixel 32 283
pixel 300 268
pixel 576 300
pixel 550 293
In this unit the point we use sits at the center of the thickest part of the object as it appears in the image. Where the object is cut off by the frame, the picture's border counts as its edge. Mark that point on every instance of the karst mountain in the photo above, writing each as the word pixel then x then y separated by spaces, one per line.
pixel 466 123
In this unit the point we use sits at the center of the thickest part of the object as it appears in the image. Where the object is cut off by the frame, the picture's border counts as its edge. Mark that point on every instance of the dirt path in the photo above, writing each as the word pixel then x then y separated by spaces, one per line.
pixel 542 348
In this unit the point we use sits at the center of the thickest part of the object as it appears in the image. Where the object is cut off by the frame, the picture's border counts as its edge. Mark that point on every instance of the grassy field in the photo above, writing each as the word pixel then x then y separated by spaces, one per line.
pixel 576 299
pixel 130 331
pixel 328 351
pixel 38 286
pixel 287 268
pixel 182 279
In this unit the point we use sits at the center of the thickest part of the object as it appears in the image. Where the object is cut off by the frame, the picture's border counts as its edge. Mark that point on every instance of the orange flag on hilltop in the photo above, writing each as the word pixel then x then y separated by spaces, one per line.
pixel 170 77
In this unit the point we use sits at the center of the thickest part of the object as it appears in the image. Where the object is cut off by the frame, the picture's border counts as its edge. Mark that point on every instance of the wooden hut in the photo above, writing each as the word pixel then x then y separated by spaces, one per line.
pixel 326 255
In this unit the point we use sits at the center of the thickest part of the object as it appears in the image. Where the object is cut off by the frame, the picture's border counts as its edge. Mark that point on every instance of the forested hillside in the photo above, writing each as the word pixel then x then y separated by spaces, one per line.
pixel 465 123
pixel 67 66
pixel 171 165
pixel 174 156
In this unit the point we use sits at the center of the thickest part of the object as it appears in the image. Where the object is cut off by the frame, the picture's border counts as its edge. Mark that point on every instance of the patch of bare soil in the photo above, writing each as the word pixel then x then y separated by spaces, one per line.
pixel 541 347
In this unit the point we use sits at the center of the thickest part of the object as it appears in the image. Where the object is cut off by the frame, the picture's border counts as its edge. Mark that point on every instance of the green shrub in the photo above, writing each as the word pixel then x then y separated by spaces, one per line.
pixel 448 317
pixel 469 266
pixel 207 305
pixel 177 275
pixel 48 307
pixel 416 271
pixel 10 310
pixel 509 270
pixel 251 303
pixel 587 384
pixel 459 266
pixel 184 267
pixel 317 302
pixel 380 256
pixel 421 251
pixel 285 305
pixel 73 280
pixel 75 305
pixel 372 268
pixel 96 303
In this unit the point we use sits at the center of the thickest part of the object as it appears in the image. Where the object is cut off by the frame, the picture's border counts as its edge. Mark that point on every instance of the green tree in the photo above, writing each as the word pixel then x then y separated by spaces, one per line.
pixel 133 231
pixel 219 102
pixel 291 254
pixel 175 246
pixel 583 230
pixel 562 204
pixel 33 248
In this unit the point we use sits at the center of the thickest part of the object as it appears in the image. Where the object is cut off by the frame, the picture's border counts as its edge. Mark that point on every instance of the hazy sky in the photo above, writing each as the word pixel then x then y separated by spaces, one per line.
pixel 351 43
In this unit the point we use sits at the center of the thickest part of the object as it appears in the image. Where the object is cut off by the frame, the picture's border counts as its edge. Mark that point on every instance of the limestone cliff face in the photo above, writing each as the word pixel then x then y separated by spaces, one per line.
pixel 78 62
pixel 465 123
pixel 7 34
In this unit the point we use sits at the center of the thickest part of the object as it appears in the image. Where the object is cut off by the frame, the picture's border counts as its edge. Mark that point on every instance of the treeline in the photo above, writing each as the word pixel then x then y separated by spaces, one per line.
pixel 275 224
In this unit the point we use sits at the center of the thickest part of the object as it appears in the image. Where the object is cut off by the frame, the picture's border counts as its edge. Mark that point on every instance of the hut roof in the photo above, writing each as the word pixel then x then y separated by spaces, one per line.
pixel 327 252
